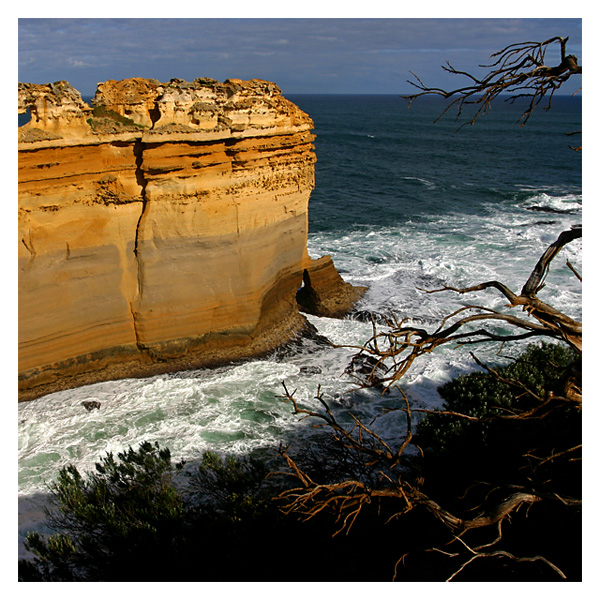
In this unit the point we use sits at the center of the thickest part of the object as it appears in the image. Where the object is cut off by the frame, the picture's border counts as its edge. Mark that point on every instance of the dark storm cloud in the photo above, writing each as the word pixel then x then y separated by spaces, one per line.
pixel 300 55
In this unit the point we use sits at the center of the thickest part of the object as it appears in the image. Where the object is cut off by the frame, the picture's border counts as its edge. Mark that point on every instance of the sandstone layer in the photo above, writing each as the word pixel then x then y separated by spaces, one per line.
pixel 163 228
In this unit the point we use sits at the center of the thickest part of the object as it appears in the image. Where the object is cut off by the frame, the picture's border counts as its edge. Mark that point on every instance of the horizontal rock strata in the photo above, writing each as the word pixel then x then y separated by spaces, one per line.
pixel 163 228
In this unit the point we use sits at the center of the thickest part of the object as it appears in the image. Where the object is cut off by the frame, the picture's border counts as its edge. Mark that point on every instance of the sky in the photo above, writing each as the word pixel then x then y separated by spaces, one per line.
pixel 301 55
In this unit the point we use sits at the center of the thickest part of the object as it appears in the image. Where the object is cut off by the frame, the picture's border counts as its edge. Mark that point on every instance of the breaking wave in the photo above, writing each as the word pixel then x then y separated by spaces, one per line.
pixel 433 231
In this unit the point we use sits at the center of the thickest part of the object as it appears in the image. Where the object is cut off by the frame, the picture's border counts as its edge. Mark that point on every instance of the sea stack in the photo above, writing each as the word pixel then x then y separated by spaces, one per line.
pixel 162 228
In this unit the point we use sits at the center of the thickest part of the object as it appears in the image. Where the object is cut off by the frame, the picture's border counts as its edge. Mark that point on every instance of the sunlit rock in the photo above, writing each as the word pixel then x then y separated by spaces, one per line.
pixel 163 228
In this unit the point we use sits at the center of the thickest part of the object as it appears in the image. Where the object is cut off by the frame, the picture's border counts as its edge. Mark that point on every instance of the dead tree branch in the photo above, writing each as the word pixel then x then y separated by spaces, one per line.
pixel 402 345
pixel 390 353
pixel 476 554
pixel 346 500
pixel 518 70
pixel 536 280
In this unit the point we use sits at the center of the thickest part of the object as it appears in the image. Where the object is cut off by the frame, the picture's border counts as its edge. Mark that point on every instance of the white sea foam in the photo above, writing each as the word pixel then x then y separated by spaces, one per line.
pixel 240 408
pixel 566 202
pixel 457 249
pixel 425 182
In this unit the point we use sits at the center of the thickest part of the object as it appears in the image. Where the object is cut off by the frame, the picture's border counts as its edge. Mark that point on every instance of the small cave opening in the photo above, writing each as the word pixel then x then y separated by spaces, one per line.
pixel 306 295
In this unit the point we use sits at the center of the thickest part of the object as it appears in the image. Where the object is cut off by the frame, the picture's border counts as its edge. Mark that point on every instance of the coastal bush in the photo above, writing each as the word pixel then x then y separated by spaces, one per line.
pixel 116 523
pixel 485 395
pixel 103 117
pixel 128 522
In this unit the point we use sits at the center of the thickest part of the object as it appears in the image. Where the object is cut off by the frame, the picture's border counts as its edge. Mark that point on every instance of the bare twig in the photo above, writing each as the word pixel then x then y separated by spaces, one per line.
pixel 518 70
pixel 387 355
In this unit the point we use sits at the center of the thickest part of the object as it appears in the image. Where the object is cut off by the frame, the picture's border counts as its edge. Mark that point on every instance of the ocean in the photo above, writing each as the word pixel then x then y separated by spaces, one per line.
pixel 402 204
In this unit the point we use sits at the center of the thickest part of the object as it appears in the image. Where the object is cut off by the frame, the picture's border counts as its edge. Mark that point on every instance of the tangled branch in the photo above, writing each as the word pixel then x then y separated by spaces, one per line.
pixel 518 70
pixel 346 499
pixel 402 344
pixel 476 553
pixel 387 357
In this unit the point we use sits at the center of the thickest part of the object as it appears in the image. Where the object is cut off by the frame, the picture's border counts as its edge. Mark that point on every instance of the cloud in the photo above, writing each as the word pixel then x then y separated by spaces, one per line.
pixel 78 62
pixel 296 53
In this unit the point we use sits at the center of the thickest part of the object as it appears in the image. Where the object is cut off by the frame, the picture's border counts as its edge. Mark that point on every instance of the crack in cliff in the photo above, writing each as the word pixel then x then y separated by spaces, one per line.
pixel 138 151
pixel 142 181
pixel 26 241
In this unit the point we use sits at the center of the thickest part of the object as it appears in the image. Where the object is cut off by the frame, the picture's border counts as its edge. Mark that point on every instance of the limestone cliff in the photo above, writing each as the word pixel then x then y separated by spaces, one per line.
pixel 165 228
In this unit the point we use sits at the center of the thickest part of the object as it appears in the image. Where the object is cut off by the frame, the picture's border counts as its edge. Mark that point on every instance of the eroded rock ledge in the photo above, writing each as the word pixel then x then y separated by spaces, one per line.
pixel 162 228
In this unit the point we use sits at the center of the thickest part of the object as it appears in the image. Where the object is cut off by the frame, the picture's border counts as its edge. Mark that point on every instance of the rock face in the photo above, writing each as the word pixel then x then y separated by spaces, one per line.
pixel 163 229
pixel 324 293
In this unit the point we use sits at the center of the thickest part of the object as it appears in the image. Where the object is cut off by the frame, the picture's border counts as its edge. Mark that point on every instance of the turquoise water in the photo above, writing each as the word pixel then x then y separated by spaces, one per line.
pixel 400 204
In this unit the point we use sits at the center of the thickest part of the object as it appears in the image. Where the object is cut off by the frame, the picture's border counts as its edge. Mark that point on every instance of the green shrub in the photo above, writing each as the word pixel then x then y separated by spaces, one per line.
pixel 497 449
pixel 115 523
pixel 230 485
pixel 483 395
pixel 127 522
pixel 101 115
